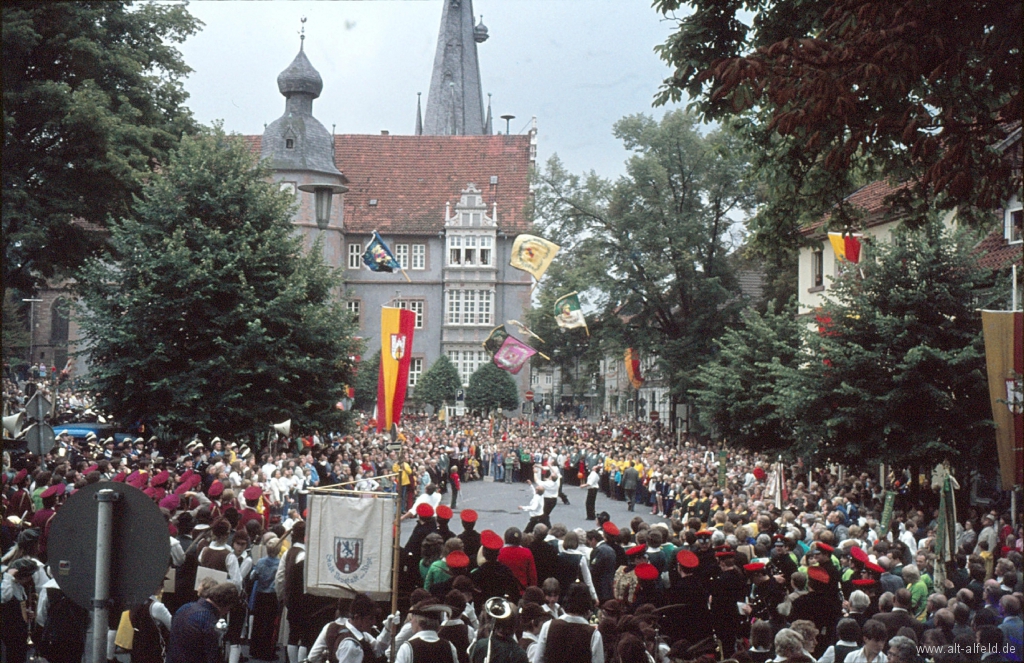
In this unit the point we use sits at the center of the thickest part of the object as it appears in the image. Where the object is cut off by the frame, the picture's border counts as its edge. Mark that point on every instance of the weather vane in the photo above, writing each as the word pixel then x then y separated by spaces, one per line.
pixel 302 32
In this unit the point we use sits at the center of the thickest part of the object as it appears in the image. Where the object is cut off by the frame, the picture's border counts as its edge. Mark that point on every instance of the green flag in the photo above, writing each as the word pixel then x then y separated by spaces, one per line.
pixel 890 502
pixel 568 313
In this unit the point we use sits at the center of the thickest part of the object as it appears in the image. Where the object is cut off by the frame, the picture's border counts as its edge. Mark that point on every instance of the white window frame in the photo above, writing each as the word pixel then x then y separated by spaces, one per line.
pixel 402 255
pixel 355 255
pixel 455 250
pixel 355 307
pixel 486 251
pixel 467 362
pixel 1013 207
pixel 415 370
pixel 818 268
pixel 469 250
pixel 414 305
pixel 453 307
pixel 418 259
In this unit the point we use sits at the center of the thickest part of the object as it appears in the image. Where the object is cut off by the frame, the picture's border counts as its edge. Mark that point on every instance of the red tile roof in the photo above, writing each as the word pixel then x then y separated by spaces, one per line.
pixel 413 177
pixel 996 253
pixel 870 199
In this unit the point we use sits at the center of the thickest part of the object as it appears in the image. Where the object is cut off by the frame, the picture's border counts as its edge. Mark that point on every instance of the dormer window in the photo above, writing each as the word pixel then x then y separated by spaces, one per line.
pixel 289 143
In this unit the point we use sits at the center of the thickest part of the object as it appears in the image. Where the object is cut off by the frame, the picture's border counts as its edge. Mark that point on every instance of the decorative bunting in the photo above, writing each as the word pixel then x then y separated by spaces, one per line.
pixel 533 254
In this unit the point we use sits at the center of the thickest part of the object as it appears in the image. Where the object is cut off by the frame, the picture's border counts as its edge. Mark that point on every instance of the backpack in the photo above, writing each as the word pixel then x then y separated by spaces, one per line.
pixel 63 638
pixel 150 642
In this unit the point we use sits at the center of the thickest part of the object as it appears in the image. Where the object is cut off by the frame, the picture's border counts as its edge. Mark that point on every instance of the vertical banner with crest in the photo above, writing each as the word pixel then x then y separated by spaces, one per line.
pixel 396 331
pixel 349 545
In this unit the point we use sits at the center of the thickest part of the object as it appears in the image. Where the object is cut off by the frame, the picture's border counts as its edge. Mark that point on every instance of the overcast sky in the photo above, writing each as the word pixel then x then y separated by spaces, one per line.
pixel 577 65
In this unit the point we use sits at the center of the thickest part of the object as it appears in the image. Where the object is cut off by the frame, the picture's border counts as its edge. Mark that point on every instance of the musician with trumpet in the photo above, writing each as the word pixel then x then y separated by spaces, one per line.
pixel 500 646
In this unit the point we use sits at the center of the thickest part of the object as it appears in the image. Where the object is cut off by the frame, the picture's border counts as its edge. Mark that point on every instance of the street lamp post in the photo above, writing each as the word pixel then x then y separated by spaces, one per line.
pixel 31 330
pixel 322 194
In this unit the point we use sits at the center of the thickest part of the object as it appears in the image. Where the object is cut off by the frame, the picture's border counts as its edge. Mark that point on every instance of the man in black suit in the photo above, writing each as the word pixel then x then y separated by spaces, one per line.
pixel 900 615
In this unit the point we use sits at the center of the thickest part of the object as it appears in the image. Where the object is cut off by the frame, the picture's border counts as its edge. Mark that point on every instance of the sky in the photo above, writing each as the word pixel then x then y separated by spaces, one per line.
pixel 577 65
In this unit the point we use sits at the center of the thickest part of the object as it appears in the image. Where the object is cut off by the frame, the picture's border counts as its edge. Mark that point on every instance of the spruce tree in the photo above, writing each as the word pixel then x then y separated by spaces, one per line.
pixel 367 374
pixel 209 317
pixel 491 388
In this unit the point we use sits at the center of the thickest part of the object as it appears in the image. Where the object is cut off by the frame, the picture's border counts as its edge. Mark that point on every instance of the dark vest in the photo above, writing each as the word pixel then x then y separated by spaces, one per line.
pixel 568 642
pixel 214 559
pixel 431 652
pixel 293 581
pixel 458 635
pixel 842 651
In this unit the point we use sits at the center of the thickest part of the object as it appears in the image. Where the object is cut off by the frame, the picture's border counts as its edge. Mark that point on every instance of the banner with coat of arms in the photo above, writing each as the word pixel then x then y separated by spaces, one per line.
pixel 349 545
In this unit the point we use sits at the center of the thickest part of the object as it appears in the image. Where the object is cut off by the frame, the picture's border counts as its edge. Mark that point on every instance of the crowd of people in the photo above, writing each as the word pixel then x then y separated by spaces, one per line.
pixel 705 570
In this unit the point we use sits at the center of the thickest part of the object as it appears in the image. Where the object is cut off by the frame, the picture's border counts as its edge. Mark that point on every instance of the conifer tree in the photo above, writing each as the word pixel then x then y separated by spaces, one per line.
pixel 491 388
pixel 209 317
pixel 439 384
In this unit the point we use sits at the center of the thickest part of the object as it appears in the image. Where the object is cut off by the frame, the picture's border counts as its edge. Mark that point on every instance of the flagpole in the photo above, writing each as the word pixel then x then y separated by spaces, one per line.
pixel 405 275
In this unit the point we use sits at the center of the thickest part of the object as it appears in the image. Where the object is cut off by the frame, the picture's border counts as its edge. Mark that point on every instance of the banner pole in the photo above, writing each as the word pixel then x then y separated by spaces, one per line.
pixel 397 554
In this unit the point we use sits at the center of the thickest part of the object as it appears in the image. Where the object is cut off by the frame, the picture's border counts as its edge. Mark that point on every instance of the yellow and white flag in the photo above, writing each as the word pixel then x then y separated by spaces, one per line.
pixel 349 545
pixel 533 254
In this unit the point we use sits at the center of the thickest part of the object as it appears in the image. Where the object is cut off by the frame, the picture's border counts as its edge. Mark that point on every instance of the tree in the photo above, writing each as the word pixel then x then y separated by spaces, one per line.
pixel 895 370
pixel 916 91
pixel 208 317
pixel 490 388
pixel 737 388
pixel 439 384
pixel 16 339
pixel 367 374
pixel 93 100
pixel 651 249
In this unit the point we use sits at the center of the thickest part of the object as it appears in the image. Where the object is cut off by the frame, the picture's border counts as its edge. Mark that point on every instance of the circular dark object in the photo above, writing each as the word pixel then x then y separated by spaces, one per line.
pixel 140 546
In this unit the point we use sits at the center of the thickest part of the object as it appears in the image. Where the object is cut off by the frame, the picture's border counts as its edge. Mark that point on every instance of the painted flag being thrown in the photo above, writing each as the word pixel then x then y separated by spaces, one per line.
pixel 523 329
pixel 632 360
pixel 495 339
pixel 533 254
pixel 378 257
pixel 568 313
pixel 513 355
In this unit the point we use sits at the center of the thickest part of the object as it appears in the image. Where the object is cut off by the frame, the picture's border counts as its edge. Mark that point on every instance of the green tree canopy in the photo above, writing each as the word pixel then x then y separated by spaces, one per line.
pixel 736 390
pixel 367 375
pixel 439 384
pixel 93 100
pixel 490 388
pixel 895 367
pixel 917 91
pixel 208 317
pixel 650 250
pixel 15 332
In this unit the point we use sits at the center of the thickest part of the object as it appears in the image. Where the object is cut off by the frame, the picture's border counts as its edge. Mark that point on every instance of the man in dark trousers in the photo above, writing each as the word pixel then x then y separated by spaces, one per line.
pixel 686 615
pixel 545 557
pixel 603 560
pixel 592 486
pixel 727 589
pixel 410 562
pixel 630 480
pixel 819 606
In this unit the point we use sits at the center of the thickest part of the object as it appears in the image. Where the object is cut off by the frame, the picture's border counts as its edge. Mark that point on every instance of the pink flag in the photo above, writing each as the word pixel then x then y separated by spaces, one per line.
pixel 513 355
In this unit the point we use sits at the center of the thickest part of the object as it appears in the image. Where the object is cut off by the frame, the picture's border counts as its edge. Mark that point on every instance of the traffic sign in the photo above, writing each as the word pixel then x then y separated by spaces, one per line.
pixel 140 546
pixel 39 438
pixel 529 395
pixel 394 446
pixel 654 415
pixel 38 407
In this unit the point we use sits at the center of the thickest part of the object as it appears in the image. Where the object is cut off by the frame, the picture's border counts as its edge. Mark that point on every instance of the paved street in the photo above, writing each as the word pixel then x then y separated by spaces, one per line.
pixel 496 504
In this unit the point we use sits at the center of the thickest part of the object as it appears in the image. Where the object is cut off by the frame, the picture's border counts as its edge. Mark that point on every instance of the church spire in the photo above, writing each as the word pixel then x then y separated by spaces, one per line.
pixel 488 126
pixel 419 115
pixel 455 100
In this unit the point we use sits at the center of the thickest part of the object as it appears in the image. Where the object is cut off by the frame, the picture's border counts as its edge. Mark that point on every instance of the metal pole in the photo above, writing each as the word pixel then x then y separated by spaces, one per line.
pixel 101 594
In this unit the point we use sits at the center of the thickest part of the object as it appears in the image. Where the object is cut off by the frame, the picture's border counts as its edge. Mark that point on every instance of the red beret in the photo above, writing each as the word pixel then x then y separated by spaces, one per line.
pixel 824 547
pixel 817 574
pixel 687 559
pixel 150 492
pixel 704 534
pixel 754 567
pixel 186 476
pixel 725 554
pixel 171 502
pixel 864 582
pixel 252 493
pixel 647 571
pixel 119 477
pixel 637 550
pixel 424 510
pixel 444 513
pixel 20 476
pixel 90 469
pixel 457 559
pixel 468 516
pixel 610 528
pixel 182 489
pixel 53 491
pixel 874 568
pixel 217 489
pixel 490 540
pixel 858 554
pixel 161 478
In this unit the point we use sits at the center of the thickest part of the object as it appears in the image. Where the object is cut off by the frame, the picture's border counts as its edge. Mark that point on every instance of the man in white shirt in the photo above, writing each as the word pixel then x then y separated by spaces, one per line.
pixel 350 638
pixel 424 644
pixel 562 645
pixel 875 637
pixel 535 509
pixel 592 487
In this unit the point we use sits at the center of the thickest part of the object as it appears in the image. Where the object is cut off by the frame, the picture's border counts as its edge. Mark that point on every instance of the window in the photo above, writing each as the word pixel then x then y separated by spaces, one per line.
pixel 470 307
pixel 486 244
pixel 547 379
pixel 353 306
pixel 469 253
pixel 419 256
pixel 416 306
pixel 817 269
pixel 355 256
pixel 402 255
pixel 467 362
pixel 455 250
pixel 1014 218
pixel 415 370
pixel 289 143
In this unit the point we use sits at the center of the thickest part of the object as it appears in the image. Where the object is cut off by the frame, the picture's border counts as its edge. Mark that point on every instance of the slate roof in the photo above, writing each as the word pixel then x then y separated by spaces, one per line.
pixel 413 177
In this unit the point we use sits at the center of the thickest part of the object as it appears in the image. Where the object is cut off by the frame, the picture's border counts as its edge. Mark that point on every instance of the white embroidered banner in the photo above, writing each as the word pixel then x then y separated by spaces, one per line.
pixel 349 545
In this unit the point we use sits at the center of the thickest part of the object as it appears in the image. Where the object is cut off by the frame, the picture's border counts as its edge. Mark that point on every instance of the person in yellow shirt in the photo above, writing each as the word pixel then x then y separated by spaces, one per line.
pixel 405 479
